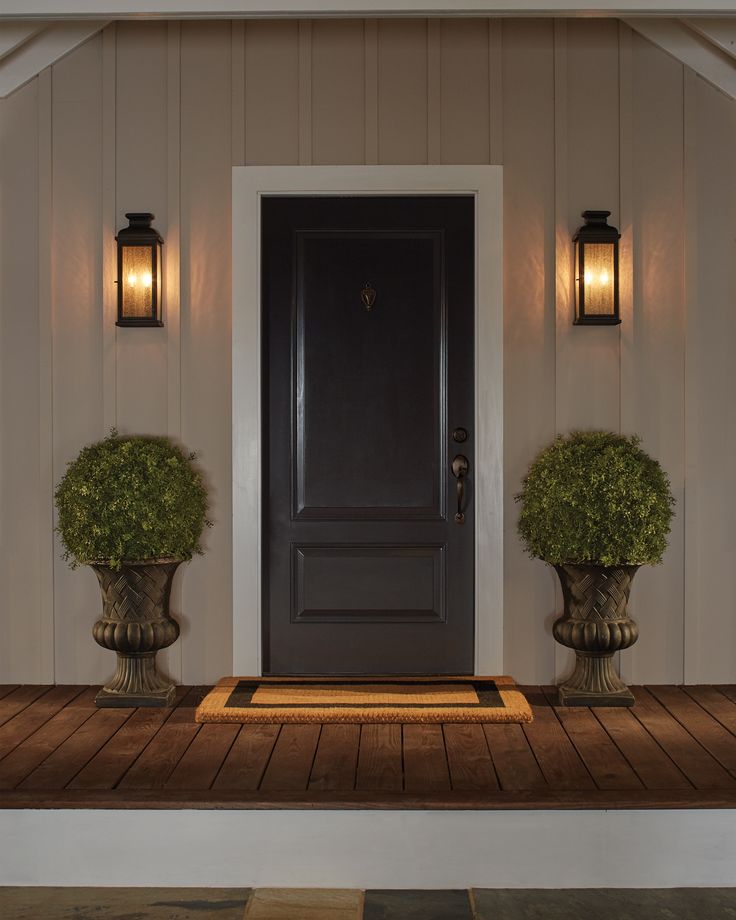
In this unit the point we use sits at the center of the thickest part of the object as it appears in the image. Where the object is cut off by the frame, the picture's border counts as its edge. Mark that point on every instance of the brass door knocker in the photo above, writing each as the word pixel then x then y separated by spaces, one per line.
pixel 368 296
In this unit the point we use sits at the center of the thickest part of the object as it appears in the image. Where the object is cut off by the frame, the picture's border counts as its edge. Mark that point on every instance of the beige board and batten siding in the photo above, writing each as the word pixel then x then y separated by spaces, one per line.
pixel 153 115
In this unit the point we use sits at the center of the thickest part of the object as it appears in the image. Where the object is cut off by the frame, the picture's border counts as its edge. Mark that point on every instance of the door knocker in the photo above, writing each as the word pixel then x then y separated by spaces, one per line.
pixel 368 296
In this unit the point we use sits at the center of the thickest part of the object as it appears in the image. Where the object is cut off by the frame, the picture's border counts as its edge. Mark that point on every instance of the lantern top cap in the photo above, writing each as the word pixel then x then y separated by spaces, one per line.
pixel 596 228
pixel 591 217
pixel 139 229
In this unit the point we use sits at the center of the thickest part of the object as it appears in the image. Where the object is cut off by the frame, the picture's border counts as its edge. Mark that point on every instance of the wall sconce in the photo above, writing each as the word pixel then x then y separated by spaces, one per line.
pixel 139 272
pixel 596 271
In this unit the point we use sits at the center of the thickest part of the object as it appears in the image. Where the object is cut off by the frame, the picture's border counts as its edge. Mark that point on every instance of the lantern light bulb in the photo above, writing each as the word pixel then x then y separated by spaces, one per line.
pixel 132 279
pixel 589 277
pixel 604 277
pixel 148 279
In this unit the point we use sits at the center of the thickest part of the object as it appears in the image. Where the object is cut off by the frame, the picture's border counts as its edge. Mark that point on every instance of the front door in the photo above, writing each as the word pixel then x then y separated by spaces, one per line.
pixel 368 542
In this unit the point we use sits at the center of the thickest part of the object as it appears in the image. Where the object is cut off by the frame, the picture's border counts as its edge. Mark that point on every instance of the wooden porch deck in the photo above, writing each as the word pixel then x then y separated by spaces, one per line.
pixel 675 749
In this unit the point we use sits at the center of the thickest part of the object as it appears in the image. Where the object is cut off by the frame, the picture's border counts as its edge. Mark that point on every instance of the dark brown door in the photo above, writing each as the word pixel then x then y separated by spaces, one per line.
pixel 368 385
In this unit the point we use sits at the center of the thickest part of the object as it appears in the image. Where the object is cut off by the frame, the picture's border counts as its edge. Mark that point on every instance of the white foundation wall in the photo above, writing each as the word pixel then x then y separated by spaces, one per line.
pixel 580 113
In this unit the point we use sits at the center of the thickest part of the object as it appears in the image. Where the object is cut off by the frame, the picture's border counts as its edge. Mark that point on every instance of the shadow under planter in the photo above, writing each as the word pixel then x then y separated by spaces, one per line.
pixel 136 624
pixel 595 624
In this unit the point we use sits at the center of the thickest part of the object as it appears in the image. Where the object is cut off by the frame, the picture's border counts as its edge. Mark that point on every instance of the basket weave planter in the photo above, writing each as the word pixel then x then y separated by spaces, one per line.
pixel 135 623
pixel 596 624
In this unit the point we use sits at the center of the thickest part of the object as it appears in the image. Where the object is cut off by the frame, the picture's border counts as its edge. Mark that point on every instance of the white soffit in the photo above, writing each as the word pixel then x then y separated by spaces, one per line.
pixel 27 48
pixel 181 9
pixel 695 49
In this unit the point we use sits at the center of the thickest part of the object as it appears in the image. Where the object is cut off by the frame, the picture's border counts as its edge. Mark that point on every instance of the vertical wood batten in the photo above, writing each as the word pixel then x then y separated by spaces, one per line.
pixel 306 121
pixel 141 171
pixel 23 622
pixel 237 91
pixel 77 330
pixel 653 339
pixel 434 91
pixel 274 119
pixel 710 126
pixel 338 91
pixel 108 228
pixel 402 79
pixel 371 91
pixel 206 200
pixel 564 302
pixel 45 357
pixel 172 662
pixel 495 91
pixel 464 91
pixel 529 326
pixel 693 369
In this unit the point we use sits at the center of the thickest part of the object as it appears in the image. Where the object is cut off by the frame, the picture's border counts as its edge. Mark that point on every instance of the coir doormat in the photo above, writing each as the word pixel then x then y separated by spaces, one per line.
pixel 364 699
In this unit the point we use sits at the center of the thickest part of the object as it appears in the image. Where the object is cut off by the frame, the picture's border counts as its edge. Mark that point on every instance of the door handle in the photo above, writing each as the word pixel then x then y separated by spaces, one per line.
pixel 460 467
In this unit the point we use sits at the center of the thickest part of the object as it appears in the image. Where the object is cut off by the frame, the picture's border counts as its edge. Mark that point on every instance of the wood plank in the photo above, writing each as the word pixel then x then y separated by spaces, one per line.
pixel 30 719
pixel 292 758
pixel 19 699
pixel 5 689
pixel 468 757
pixel 380 766
pixel 728 690
pixel 652 765
pixel 485 801
pixel 336 759
pixel 203 758
pixel 716 704
pixel 700 768
pixel 702 726
pixel 604 761
pixel 515 764
pixel 425 760
pixel 45 740
pixel 110 763
pixel 68 759
pixel 556 756
pixel 247 759
pixel 155 764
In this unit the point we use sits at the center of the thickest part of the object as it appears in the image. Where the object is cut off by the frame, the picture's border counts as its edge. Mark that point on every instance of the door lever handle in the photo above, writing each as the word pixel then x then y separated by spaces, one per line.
pixel 460 467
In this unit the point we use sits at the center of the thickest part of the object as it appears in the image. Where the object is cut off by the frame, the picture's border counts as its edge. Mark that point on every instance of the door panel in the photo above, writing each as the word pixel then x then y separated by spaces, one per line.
pixel 368 367
pixel 385 470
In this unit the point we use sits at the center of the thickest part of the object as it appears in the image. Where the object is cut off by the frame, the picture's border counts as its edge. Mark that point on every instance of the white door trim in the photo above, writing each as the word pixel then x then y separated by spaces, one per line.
pixel 250 183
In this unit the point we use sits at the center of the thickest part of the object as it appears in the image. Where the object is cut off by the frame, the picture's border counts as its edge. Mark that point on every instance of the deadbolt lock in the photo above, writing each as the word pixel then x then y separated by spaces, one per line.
pixel 459 435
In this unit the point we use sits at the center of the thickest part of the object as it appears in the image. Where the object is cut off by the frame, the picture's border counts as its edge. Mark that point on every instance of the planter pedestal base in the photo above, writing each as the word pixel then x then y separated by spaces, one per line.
pixel 106 699
pixel 594 682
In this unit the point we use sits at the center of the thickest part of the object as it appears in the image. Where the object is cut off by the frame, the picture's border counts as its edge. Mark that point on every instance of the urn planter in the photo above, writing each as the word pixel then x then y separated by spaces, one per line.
pixel 595 624
pixel 135 623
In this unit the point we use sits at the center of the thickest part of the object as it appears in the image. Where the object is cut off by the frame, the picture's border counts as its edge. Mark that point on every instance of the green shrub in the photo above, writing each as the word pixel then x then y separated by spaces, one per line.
pixel 131 499
pixel 595 497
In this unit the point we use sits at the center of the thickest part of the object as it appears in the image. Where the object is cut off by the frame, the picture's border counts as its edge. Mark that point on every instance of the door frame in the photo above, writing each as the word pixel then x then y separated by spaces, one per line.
pixel 250 184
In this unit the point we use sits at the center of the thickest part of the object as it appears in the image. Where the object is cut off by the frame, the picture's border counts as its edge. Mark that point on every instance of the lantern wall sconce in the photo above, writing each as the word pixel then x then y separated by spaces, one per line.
pixel 139 272
pixel 596 271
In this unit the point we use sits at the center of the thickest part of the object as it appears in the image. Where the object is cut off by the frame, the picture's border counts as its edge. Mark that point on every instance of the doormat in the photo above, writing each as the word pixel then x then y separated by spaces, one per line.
pixel 364 699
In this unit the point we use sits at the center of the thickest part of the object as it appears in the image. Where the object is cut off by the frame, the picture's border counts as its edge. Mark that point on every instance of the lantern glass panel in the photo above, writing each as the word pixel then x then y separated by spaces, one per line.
pixel 139 280
pixel 598 278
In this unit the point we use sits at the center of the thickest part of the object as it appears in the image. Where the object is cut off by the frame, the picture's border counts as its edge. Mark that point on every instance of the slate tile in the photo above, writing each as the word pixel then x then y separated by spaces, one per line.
pixel 305 904
pixel 123 903
pixel 608 903
pixel 417 905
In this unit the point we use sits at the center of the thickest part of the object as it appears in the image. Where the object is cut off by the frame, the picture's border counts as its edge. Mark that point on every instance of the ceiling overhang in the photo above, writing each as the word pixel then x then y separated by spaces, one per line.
pixel 185 9
pixel 49 29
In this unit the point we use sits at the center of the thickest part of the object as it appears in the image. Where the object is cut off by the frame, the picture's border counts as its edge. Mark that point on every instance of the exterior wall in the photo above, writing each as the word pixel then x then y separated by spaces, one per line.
pixel 581 114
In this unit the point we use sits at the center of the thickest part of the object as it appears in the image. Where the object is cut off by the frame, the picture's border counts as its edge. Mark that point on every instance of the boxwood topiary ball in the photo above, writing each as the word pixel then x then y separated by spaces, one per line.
pixel 131 499
pixel 595 497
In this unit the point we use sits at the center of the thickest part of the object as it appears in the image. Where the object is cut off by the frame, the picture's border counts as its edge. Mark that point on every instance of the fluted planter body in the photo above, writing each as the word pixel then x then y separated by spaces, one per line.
pixel 596 624
pixel 135 623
